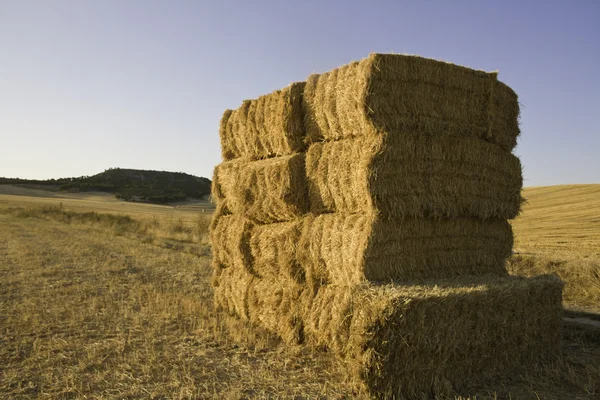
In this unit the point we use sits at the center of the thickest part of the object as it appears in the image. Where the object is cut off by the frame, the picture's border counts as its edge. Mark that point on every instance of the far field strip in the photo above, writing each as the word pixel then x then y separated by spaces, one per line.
pixel 11 195
pixel 564 218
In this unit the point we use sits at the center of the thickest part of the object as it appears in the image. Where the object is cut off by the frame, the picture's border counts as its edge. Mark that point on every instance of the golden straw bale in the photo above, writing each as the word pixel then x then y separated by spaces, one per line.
pixel 231 287
pixel 265 191
pixel 274 305
pixel 398 94
pixel 414 176
pixel 349 249
pixel 228 149
pixel 273 248
pixel 224 180
pixel 326 315
pixel 421 341
pixel 230 241
pixel 266 127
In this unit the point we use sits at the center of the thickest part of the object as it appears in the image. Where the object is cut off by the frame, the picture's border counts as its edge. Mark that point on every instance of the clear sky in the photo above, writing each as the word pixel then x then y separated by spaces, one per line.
pixel 88 85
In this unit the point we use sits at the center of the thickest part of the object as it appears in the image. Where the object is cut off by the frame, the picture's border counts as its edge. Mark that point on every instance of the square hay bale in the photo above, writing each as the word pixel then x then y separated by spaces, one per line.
pixel 230 241
pixel 224 182
pixel 231 287
pixel 414 176
pixel 398 94
pixel 265 191
pixel 427 340
pixel 269 126
pixel 327 315
pixel 350 249
pixel 273 248
pixel 274 304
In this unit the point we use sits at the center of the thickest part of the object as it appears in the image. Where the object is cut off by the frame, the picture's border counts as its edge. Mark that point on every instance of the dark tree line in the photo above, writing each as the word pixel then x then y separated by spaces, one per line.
pixel 131 184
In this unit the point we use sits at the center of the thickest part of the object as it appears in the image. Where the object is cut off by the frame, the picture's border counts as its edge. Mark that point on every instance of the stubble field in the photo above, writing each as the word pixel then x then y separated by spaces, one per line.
pixel 105 299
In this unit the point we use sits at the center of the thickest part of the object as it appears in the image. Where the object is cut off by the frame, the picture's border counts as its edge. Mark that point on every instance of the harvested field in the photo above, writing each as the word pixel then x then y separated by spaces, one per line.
pixel 397 94
pixel 266 127
pixel 349 249
pixel 414 175
pixel 560 221
pixel 265 191
pixel 559 233
pixel 90 311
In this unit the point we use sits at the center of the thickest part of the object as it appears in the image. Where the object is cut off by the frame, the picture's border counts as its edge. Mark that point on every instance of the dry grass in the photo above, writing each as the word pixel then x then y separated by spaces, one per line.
pixel 582 277
pixel 560 221
pixel 11 195
pixel 559 232
pixel 182 227
pixel 88 312
pixel 187 237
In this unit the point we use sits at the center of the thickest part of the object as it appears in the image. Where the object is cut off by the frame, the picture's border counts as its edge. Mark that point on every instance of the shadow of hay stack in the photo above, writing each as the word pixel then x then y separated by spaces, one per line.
pixel 366 211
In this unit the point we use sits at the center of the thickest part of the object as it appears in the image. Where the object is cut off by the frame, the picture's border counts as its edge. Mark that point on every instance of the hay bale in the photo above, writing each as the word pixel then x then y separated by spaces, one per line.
pixel 350 249
pixel 266 127
pixel 426 340
pixel 274 305
pixel 228 147
pixel 414 176
pixel 216 192
pixel 399 94
pixel 327 315
pixel 265 191
pixel 231 287
pixel 273 248
pixel 230 241
pixel 224 180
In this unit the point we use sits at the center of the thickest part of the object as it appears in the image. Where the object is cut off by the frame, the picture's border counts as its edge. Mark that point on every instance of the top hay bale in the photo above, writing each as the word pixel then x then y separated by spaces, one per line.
pixel 266 127
pixel 398 94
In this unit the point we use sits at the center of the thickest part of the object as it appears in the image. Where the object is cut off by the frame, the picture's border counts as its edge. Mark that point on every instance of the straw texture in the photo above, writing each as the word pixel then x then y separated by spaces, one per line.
pixel 414 176
pixel 231 288
pixel 265 191
pixel 273 304
pixel 365 211
pixel 230 241
pixel 266 127
pixel 273 248
pixel 421 341
pixel 400 94
pixel 350 249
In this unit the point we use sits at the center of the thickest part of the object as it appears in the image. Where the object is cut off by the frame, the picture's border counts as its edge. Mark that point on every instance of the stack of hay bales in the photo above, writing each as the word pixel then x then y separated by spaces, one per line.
pixel 261 196
pixel 386 241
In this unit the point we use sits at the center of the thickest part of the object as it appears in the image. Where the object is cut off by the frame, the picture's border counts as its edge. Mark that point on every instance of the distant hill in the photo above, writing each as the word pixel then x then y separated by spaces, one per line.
pixel 129 184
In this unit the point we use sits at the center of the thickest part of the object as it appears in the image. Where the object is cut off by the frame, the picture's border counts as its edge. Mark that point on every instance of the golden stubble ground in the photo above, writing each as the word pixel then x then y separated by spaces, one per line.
pixel 85 313
pixel 558 232
pixel 560 220
pixel 104 308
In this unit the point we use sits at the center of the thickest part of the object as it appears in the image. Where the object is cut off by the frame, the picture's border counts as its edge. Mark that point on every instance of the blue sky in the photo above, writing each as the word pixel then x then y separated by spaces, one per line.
pixel 88 85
